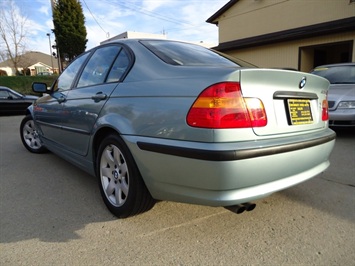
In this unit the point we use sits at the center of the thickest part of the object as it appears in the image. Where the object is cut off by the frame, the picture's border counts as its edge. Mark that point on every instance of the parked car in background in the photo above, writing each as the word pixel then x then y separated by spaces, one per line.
pixel 44 74
pixel 166 120
pixel 13 102
pixel 341 95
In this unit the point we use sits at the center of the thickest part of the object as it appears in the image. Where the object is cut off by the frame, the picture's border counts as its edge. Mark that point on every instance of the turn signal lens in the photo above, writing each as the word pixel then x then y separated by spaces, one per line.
pixel 223 106
pixel 325 115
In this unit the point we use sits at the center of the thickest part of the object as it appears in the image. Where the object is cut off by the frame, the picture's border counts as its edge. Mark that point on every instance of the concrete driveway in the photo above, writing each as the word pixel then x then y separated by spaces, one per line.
pixel 51 213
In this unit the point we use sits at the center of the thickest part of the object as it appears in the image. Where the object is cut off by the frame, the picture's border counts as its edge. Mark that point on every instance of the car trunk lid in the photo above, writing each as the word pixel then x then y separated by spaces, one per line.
pixel 293 100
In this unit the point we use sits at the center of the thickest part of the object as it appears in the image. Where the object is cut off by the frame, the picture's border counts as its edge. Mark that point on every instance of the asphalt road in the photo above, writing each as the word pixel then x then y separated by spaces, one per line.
pixel 51 213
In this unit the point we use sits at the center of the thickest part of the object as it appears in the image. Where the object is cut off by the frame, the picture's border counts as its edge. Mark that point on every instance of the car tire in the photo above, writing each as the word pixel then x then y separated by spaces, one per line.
pixel 29 136
pixel 121 185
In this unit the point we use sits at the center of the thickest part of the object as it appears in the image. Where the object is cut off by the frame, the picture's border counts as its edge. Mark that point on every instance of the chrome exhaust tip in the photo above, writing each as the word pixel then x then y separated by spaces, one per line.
pixel 249 206
pixel 240 208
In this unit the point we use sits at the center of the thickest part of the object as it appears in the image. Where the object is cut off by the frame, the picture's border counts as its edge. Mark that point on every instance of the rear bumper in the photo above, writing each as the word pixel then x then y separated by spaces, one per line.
pixel 232 155
pixel 234 196
pixel 218 176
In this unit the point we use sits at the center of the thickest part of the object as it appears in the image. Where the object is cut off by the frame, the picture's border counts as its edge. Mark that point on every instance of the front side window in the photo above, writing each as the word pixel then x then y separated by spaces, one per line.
pixel 8 95
pixel 65 80
pixel 98 66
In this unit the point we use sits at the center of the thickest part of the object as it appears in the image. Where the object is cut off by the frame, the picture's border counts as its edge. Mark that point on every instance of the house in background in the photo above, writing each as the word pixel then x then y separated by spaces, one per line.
pixel 144 35
pixel 287 33
pixel 32 64
pixel 134 34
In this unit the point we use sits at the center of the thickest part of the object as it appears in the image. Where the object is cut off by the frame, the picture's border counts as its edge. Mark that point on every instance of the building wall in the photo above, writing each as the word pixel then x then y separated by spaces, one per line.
pixel 298 54
pixel 249 18
pixel 9 71
pixel 134 34
pixel 34 69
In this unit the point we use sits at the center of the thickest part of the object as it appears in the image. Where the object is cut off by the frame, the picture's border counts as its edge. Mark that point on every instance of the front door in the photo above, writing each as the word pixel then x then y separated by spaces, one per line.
pixel 48 110
pixel 84 101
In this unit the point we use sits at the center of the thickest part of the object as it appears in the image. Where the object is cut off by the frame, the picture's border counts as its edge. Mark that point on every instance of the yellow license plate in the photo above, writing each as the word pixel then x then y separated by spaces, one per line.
pixel 300 111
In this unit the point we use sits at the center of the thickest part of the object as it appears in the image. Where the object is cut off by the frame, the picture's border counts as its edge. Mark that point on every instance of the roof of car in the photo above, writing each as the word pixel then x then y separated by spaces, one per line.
pixel 336 65
pixel 4 88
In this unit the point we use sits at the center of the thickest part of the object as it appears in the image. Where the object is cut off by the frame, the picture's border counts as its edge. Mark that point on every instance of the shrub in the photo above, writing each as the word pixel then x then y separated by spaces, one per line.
pixel 23 84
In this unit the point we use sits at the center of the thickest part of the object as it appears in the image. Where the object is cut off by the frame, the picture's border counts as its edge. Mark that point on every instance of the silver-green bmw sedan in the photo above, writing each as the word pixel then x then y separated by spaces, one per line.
pixel 165 120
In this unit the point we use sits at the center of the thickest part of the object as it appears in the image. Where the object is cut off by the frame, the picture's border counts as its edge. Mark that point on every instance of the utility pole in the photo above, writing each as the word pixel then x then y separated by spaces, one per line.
pixel 53 3
pixel 50 49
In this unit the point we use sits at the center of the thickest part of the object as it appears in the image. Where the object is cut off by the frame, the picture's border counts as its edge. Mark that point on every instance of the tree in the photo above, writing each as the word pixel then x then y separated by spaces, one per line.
pixel 69 28
pixel 12 33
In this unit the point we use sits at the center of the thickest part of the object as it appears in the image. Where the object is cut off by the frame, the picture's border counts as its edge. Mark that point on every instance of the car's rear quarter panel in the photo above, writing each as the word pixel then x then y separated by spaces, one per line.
pixel 158 107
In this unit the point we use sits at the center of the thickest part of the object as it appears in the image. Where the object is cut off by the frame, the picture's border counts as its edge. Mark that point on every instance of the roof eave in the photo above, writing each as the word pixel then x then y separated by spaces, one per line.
pixel 331 27
pixel 223 9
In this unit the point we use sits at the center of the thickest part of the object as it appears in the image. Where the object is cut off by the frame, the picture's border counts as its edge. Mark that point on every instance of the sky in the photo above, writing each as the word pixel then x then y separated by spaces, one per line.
pixel 183 20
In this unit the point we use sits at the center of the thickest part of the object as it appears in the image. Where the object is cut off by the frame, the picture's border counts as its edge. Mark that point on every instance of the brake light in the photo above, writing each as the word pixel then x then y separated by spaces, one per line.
pixel 222 106
pixel 325 114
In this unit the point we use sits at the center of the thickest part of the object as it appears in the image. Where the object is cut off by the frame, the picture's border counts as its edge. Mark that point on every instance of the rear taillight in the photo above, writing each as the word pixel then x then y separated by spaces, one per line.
pixel 325 115
pixel 223 106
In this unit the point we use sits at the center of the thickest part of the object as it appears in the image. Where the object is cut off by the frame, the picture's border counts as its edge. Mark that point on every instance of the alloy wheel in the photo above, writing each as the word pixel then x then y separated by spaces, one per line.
pixel 114 175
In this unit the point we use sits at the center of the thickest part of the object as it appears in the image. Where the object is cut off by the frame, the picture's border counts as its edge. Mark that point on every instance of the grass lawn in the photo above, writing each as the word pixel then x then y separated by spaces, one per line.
pixel 23 84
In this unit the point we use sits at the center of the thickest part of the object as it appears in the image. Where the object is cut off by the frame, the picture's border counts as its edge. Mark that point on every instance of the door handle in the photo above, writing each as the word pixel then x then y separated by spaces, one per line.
pixel 99 97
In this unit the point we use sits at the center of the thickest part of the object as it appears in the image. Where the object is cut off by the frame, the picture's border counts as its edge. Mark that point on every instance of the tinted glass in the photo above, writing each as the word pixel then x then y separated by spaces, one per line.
pixel 99 64
pixel 66 79
pixel 4 94
pixel 337 75
pixel 14 95
pixel 184 54
pixel 119 67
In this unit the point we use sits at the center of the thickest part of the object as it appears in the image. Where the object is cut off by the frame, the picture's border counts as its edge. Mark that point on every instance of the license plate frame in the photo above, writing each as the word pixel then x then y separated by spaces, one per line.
pixel 300 112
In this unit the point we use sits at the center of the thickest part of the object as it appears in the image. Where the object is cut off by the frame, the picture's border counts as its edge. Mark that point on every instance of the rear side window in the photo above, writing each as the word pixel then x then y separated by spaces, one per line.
pixel 185 54
pixel 98 67
pixel 119 67
pixel 4 94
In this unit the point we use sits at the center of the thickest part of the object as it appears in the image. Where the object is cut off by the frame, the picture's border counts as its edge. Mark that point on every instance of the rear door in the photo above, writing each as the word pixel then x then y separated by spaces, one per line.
pixel 84 101
pixel 293 100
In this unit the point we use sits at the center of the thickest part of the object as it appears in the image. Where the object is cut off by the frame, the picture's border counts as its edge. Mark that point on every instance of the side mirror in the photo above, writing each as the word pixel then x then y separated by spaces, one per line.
pixel 39 87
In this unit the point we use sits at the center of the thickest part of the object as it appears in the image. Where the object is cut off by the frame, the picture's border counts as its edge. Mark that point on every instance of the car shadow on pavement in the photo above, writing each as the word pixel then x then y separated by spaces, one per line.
pixel 333 190
pixel 45 197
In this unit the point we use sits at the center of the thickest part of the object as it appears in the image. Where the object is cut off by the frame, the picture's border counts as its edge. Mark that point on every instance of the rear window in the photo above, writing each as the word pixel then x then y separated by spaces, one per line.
pixel 337 74
pixel 185 54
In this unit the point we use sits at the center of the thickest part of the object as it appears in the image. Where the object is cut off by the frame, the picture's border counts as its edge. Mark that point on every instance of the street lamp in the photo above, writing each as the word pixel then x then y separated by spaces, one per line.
pixel 50 49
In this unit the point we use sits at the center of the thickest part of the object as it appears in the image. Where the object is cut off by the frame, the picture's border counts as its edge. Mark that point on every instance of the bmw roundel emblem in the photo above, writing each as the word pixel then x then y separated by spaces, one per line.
pixel 302 83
